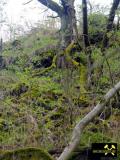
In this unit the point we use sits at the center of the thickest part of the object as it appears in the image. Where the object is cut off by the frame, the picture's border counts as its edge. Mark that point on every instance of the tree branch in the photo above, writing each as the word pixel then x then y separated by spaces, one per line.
pixel 53 16
pixel 76 136
pixel 27 2
pixel 112 14
pixel 53 6
pixel 44 11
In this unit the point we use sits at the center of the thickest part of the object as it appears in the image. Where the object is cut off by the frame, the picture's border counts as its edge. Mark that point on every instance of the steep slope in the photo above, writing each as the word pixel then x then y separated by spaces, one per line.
pixel 40 110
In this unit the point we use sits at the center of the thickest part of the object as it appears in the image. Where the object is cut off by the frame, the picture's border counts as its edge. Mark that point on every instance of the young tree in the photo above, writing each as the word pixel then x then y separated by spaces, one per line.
pixel 86 42
pixel 66 12
pixel 85 23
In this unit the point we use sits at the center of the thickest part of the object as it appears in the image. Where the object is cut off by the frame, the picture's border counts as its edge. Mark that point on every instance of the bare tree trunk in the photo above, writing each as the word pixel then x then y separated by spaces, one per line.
pixel 1 56
pixel 1 45
pixel 76 136
pixel 109 26
pixel 87 44
pixel 118 23
pixel 112 15
pixel 85 24
pixel 66 12
pixel 68 23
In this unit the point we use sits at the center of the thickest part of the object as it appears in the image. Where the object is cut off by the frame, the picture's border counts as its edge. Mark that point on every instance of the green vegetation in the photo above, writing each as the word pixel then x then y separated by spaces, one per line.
pixel 40 110
pixel 97 23
pixel 26 154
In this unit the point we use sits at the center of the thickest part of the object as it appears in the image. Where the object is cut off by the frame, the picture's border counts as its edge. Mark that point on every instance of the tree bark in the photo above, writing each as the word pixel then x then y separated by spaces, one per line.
pixel 87 44
pixel 53 6
pixel 68 23
pixel 118 23
pixel 67 17
pixel 85 24
pixel 1 46
pixel 76 136
pixel 112 15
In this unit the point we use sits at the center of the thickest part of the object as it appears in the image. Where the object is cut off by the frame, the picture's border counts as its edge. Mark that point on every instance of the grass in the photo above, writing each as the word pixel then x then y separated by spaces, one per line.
pixel 41 115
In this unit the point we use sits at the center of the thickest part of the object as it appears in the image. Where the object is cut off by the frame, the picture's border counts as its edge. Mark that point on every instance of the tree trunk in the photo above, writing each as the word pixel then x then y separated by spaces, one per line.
pixel 68 23
pixel 76 136
pixel 67 17
pixel 66 30
pixel 1 46
pixel 87 44
pixel 109 26
pixel 112 15
pixel 85 24
pixel 118 23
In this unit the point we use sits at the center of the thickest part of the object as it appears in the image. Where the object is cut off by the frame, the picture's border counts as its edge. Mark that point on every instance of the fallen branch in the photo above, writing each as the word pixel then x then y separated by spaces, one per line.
pixel 76 136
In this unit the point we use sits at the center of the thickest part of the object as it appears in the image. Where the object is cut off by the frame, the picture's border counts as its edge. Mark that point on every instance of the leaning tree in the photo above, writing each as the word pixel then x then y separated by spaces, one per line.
pixel 111 18
pixel 66 12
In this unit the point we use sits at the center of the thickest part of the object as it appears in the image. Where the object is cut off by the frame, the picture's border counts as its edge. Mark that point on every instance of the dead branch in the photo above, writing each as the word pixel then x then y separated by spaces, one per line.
pixel 76 136
pixel 27 2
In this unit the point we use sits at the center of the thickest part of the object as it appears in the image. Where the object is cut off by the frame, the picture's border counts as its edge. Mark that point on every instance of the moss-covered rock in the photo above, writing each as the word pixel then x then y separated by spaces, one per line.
pixel 26 154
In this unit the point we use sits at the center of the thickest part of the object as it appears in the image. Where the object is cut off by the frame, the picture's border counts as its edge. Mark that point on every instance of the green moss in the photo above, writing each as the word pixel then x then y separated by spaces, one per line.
pixel 19 89
pixel 26 154
pixel 118 154
pixel 92 137
pixel 83 72
pixel 45 97
pixel 4 125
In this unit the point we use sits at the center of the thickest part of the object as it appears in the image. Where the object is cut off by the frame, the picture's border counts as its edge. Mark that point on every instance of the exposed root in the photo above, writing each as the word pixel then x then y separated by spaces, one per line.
pixel 62 56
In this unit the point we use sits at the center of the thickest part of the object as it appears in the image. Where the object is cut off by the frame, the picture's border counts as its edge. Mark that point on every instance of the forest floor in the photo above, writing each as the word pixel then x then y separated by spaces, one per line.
pixel 40 109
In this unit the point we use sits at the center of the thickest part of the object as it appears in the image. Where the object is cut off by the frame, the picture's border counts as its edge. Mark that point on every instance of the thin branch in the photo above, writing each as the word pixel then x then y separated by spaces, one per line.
pixel 27 2
pixel 110 72
pixel 53 16
pixel 44 11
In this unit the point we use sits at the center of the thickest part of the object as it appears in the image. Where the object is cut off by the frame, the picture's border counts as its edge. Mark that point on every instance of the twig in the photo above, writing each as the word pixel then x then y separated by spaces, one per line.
pixel 27 2
pixel 53 16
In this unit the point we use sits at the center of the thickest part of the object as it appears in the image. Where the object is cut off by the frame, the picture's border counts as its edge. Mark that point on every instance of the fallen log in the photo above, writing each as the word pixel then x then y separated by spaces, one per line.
pixel 77 132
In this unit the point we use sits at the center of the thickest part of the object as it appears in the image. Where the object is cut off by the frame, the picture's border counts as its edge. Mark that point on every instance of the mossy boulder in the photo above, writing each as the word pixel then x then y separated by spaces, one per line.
pixel 25 154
